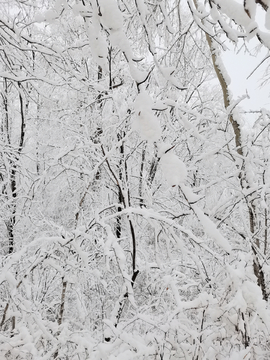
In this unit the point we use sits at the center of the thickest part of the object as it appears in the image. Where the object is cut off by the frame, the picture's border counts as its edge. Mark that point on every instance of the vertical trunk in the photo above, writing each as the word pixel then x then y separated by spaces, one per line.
pixel 5 123
pixel 12 218
pixel 13 172
pixel 244 182
pixel 4 315
pixel 62 304
pixel 121 199
pixel 62 308
pixel 141 179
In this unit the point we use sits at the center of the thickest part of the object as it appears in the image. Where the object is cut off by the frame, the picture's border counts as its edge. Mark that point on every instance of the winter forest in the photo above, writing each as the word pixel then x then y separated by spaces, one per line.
pixel 135 185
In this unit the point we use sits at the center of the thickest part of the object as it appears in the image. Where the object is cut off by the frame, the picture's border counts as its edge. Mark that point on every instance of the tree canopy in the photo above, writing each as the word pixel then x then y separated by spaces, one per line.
pixel 134 184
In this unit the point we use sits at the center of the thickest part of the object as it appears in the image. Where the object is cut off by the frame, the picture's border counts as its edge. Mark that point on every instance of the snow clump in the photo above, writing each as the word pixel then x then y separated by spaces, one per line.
pixel 145 122
pixel 174 170
pixel 110 15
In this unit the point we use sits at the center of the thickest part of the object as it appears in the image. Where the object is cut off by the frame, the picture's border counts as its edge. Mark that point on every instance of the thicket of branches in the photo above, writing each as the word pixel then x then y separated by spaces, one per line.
pixel 134 204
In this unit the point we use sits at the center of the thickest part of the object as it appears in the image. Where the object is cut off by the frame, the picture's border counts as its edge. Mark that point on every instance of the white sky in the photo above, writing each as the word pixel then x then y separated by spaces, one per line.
pixel 239 66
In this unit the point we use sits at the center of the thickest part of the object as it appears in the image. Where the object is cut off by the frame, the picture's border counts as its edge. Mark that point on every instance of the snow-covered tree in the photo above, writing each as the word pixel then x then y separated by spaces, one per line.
pixel 134 201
